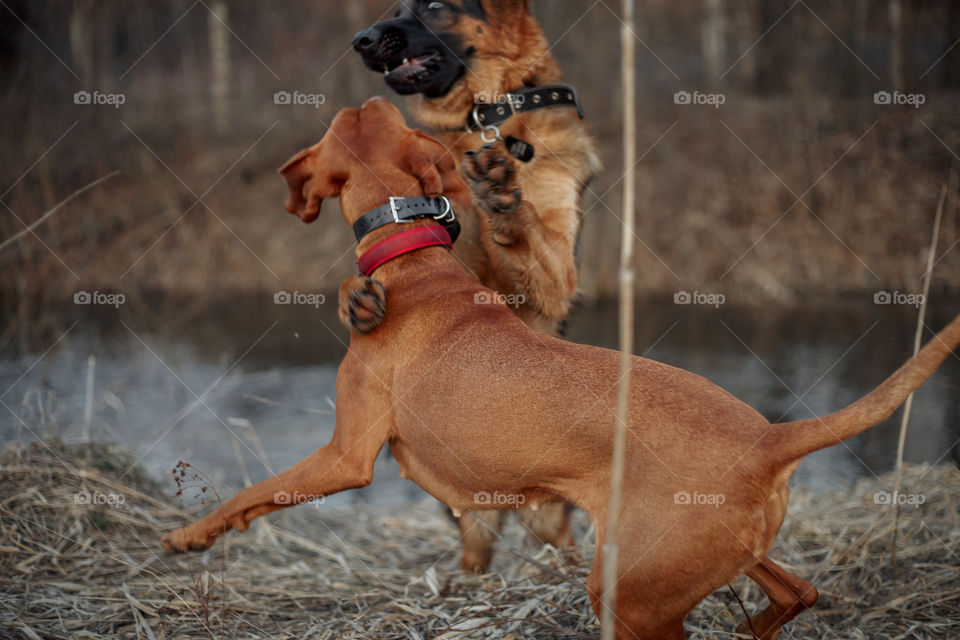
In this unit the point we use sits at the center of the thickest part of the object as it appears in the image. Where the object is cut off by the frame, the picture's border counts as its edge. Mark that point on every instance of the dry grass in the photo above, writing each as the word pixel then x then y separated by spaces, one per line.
pixel 81 571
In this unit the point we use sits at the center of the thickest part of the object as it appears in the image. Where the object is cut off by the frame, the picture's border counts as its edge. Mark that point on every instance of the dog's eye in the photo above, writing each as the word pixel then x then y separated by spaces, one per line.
pixel 435 6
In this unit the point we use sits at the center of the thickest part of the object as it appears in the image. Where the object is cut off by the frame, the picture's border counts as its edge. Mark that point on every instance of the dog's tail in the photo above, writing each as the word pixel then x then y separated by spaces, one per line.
pixel 793 440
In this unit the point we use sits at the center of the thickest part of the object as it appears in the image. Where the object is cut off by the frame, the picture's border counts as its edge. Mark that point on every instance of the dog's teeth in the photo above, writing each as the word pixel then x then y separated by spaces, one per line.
pixel 535 507
pixel 406 61
pixel 456 513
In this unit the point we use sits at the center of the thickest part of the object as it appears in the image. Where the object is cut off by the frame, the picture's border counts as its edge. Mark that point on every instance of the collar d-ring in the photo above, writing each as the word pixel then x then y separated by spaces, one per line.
pixel 490 129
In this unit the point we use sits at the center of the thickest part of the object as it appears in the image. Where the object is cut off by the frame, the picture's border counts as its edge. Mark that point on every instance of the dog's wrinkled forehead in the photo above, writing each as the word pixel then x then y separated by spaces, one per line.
pixel 373 129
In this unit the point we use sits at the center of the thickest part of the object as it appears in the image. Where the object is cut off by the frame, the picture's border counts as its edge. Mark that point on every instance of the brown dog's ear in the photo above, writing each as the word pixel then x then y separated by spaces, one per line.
pixel 422 159
pixel 309 183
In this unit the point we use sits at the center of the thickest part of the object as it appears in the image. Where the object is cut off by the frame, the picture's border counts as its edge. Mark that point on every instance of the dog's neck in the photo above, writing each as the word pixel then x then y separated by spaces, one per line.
pixel 498 74
pixel 405 274
pixel 388 231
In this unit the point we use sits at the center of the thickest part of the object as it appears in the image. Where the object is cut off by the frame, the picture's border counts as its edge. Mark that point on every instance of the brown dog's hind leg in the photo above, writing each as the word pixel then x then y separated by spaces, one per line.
pixel 478 539
pixel 549 523
pixel 640 615
pixel 362 303
pixel 788 595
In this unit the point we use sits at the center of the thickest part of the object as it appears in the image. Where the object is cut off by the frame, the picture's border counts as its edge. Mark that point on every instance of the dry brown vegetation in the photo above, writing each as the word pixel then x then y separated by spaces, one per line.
pixel 71 570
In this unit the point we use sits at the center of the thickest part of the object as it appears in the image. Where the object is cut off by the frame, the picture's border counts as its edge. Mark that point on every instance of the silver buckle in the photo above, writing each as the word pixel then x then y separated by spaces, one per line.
pixel 448 215
pixel 393 210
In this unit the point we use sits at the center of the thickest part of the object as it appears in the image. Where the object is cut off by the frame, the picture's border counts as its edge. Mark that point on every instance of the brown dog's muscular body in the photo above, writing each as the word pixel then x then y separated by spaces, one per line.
pixel 520 231
pixel 472 400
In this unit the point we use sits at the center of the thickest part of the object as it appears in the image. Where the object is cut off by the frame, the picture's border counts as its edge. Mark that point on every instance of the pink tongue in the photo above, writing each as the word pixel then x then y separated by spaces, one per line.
pixel 412 67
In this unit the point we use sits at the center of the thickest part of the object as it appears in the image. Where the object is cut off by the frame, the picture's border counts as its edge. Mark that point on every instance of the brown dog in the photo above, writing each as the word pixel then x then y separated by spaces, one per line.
pixel 473 403
pixel 519 235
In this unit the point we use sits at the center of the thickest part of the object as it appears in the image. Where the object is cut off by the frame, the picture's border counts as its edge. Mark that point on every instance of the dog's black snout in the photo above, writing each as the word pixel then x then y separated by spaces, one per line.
pixel 366 41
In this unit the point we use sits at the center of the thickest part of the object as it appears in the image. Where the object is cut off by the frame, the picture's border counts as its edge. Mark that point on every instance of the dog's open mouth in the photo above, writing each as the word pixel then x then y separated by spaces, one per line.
pixel 407 70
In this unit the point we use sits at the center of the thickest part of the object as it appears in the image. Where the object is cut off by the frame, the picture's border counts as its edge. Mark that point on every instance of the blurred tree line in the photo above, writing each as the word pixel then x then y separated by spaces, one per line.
pixel 798 185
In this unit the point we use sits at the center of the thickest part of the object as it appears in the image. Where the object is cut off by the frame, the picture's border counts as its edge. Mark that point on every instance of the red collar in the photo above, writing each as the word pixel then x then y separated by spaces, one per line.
pixel 403 243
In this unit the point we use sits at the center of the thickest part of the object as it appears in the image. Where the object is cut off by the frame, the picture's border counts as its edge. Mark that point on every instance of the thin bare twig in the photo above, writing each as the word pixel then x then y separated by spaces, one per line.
pixel 917 340
pixel 56 207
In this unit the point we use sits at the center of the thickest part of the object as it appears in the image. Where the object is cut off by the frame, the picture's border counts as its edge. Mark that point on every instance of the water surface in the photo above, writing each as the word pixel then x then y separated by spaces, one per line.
pixel 250 385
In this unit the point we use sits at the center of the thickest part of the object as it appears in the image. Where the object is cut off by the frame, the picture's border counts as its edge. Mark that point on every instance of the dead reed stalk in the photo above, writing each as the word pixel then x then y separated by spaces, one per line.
pixel 626 277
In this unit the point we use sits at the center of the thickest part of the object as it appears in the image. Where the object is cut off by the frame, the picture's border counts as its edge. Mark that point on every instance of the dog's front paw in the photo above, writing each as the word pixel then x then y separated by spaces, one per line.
pixel 491 173
pixel 186 539
pixel 363 302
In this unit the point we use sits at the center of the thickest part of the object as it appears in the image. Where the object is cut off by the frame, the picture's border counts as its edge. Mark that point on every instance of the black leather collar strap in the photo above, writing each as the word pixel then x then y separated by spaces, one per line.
pixel 522 101
pixel 400 210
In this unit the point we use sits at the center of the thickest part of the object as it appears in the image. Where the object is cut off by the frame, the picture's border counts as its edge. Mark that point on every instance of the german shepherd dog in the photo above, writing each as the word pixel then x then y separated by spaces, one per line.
pixel 520 237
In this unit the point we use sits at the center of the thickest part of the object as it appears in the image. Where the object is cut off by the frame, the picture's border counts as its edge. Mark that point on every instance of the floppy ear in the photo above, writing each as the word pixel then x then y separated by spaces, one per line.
pixel 422 158
pixel 309 183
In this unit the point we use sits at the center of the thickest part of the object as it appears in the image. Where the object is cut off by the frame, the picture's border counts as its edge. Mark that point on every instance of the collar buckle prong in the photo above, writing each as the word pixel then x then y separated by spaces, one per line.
pixel 396 213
